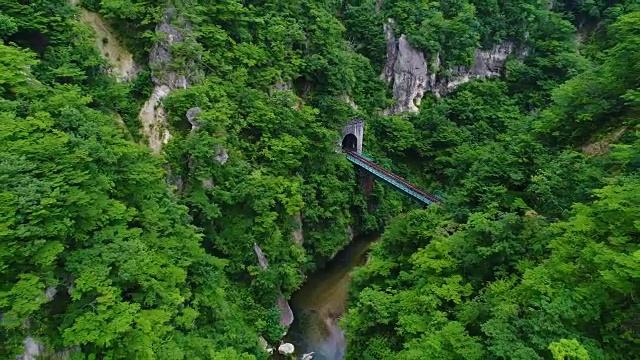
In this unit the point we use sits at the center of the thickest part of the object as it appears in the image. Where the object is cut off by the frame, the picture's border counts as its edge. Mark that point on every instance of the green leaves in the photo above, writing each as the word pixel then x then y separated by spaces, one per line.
pixel 21 300
pixel 15 64
pixel 568 349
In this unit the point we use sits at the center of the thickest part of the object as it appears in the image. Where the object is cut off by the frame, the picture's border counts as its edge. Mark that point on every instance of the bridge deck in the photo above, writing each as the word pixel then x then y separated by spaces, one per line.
pixel 392 179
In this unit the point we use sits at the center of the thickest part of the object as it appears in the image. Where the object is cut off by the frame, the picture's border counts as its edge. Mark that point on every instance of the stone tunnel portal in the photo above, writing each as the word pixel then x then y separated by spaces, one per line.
pixel 352 136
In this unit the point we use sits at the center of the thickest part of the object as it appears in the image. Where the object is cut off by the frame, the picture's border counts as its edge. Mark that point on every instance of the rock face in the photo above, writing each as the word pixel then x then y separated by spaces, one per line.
pixel 32 349
pixel 262 260
pixel 50 293
pixel 154 119
pixel 192 116
pixel 265 345
pixel 487 63
pixel 602 147
pixel 408 73
pixel 392 51
pixel 121 60
pixel 411 76
pixel 281 86
pixel 171 30
pixel 296 234
pixel 221 155
pixel 286 314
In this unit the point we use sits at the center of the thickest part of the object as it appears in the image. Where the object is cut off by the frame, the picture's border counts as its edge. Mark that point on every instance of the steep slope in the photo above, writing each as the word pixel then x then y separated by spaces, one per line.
pixel 533 254
pixel 110 249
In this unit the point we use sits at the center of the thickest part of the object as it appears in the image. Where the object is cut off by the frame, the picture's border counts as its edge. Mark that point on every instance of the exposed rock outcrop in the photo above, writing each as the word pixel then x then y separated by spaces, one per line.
pixel 262 260
pixel 154 119
pixel 408 74
pixel 32 349
pixel 208 183
pixel 411 76
pixel 286 314
pixel 298 236
pixel 165 75
pixel 487 64
pixel 192 116
pixel 392 52
pixel 378 5
pixel 221 155
pixel 50 293
pixel 265 345
pixel 121 60
pixel 602 146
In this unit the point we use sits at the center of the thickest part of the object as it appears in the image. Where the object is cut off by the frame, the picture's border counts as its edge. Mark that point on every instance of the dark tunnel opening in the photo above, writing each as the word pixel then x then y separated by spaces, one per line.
pixel 350 143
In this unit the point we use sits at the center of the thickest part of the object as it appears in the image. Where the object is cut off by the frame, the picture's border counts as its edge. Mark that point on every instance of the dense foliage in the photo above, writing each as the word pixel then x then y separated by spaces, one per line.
pixel 110 252
pixel 99 256
pixel 535 253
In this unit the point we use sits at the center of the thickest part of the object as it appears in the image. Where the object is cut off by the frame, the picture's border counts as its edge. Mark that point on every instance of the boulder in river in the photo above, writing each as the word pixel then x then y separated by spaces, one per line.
pixel 286 349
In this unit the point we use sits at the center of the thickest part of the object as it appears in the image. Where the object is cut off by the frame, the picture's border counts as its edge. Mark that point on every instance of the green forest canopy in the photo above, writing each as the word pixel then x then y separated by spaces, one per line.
pixel 535 254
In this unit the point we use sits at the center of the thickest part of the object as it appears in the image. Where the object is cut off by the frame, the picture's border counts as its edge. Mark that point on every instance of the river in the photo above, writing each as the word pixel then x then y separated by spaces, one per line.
pixel 322 300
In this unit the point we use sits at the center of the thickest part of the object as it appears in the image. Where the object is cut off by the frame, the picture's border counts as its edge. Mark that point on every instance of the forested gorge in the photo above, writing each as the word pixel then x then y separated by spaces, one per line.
pixel 112 250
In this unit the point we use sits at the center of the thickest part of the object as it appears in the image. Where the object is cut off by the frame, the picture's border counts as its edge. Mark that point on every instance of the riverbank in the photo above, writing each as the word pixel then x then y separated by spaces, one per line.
pixel 321 302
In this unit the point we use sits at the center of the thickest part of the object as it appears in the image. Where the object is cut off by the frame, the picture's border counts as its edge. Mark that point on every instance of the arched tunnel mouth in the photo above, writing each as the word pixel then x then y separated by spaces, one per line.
pixel 350 143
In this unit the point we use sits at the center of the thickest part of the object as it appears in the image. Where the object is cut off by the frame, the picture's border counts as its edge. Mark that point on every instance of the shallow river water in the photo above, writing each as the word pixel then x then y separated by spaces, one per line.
pixel 322 300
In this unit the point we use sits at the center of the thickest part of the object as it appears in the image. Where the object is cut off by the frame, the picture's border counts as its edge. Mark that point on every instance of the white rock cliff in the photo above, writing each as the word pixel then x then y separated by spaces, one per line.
pixel 411 76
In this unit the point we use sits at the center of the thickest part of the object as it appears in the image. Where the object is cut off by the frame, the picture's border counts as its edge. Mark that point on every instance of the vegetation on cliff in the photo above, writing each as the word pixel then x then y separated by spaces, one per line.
pixel 535 253
pixel 108 251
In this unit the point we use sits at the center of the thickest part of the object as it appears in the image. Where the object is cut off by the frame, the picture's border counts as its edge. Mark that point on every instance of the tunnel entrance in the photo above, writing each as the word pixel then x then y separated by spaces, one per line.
pixel 350 143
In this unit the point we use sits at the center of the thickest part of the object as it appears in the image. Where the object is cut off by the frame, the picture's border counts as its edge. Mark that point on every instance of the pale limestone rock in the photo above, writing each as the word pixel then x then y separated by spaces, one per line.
pixel 378 5
pixel 286 314
pixel 121 60
pixel 298 236
pixel 602 147
pixel 50 293
pixel 161 57
pixel 350 233
pixel 286 349
pixel 406 69
pixel 409 77
pixel 262 260
pixel 349 101
pixel 392 52
pixel 281 86
pixel 192 116
pixel 32 348
pixel 265 345
pixel 165 77
pixel 487 64
pixel 154 119
pixel 221 156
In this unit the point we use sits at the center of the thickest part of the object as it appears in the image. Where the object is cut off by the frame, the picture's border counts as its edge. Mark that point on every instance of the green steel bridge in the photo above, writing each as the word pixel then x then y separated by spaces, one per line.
pixel 391 179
